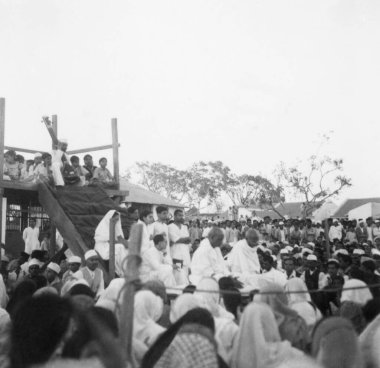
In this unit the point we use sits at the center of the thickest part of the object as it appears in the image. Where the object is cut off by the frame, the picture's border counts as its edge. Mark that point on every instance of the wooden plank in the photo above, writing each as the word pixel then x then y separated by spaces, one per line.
pixel 115 192
pixel 91 149
pixel 9 184
pixel 61 221
pixel 18 149
pixel 54 121
pixel 115 151
pixel 2 136
pixel 128 300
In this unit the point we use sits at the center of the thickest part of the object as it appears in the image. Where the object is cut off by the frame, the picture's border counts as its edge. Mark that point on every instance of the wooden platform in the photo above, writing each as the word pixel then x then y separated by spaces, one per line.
pixel 16 185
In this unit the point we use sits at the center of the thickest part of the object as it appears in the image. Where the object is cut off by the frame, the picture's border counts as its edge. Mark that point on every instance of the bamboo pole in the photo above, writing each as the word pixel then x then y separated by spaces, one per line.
pixel 2 137
pixel 131 276
pixel 53 228
pixel 91 149
pixel 115 151
pixel 112 247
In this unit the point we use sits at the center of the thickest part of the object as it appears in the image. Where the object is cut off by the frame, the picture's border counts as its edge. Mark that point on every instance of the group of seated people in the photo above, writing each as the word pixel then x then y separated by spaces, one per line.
pixel 252 303
pixel 62 315
pixel 56 168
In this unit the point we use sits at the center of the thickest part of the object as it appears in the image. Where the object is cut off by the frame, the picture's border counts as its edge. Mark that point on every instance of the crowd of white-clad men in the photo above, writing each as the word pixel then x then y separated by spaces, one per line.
pixel 248 293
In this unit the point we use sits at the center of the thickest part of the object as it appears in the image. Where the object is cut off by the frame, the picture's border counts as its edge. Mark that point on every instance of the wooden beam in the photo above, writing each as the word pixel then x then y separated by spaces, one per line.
pixel 8 184
pixel 115 151
pixel 91 149
pixel 54 120
pixel 17 149
pixel 128 297
pixel 113 221
pixel 2 136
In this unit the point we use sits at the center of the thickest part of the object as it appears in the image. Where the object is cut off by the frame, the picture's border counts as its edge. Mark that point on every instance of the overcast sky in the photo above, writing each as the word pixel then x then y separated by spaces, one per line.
pixel 249 83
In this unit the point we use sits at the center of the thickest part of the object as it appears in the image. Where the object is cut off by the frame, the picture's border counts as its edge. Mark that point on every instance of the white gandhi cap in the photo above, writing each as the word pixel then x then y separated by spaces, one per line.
pixel 54 267
pixel 89 254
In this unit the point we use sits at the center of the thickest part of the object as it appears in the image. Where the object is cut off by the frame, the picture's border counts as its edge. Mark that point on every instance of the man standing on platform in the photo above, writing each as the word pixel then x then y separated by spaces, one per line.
pixel 30 236
pixel 59 160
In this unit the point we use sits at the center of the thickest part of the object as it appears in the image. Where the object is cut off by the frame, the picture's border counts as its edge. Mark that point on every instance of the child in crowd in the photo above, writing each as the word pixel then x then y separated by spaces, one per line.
pixel 12 168
pixel 102 174
pixel 79 170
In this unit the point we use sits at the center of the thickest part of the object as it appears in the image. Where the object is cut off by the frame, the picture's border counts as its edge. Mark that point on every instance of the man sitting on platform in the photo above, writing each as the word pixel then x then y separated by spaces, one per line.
pixel 157 263
pixel 102 174
pixel 91 273
pixel 89 167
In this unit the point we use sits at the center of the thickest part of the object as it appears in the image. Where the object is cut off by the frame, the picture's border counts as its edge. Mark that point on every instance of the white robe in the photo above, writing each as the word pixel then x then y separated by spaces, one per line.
pixel 162 228
pixel 146 243
pixel 244 263
pixel 207 261
pixel 275 276
pixel 179 250
pixel 30 237
pixel 102 245
pixel 157 266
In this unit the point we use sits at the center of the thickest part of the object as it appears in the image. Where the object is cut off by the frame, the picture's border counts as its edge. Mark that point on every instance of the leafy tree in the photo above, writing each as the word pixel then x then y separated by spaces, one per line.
pixel 322 180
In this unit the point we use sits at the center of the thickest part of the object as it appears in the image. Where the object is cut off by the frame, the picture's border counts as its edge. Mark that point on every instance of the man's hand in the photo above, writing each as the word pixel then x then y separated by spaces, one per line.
pixel 238 284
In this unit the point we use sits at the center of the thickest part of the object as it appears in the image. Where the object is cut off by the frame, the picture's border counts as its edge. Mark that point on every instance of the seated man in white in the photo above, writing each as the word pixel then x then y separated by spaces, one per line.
pixel 102 241
pixel 270 273
pixel 208 259
pixel 91 272
pixel 157 263
pixel 243 260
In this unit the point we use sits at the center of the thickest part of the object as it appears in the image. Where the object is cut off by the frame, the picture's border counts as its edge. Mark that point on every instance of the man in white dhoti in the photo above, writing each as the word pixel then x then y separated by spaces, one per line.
pixel 157 264
pixel 102 241
pixel 180 241
pixel 58 159
pixel 208 259
pixel 30 236
pixel 243 260
pixel 146 219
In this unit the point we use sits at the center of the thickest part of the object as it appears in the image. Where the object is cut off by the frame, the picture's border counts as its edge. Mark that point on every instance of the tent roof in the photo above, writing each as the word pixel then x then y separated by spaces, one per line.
pixel 138 194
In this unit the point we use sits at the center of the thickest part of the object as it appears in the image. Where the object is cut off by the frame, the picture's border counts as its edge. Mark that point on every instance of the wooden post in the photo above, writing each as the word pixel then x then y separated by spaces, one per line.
pixel 54 120
pixel 112 247
pixel 327 239
pixel 2 135
pixel 53 228
pixel 128 298
pixel 115 151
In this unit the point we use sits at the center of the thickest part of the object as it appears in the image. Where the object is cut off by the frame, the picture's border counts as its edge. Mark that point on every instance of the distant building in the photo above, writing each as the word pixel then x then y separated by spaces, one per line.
pixel 350 204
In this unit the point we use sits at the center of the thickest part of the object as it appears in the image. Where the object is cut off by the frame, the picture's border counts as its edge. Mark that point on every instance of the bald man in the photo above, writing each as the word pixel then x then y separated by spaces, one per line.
pixel 243 260
pixel 207 259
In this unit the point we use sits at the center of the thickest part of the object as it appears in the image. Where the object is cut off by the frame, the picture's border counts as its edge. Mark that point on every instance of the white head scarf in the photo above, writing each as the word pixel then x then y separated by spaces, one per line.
pixel 147 311
pixel 258 343
pixel 110 297
pixel 369 342
pixel 183 304
pixel 359 296
pixel 300 301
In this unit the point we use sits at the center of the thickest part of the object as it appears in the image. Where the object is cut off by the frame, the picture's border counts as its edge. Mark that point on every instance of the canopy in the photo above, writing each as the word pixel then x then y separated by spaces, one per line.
pixel 370 209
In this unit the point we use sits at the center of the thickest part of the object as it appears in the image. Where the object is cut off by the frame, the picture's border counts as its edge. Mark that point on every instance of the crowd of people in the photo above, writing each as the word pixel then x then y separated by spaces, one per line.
pixel 248 293
pixel 56 168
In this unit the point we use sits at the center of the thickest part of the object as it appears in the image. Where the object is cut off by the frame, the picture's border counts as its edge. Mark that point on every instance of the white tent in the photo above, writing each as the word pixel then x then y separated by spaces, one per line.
pixel 370 209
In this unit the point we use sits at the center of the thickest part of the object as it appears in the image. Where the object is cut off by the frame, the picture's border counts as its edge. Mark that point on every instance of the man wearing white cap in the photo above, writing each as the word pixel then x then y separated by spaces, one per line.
pixel 281 233
pixel 73 263
pixel 313 278
pixel 30 236
pixel 91 273
pixel 59 159
pixel 52 276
